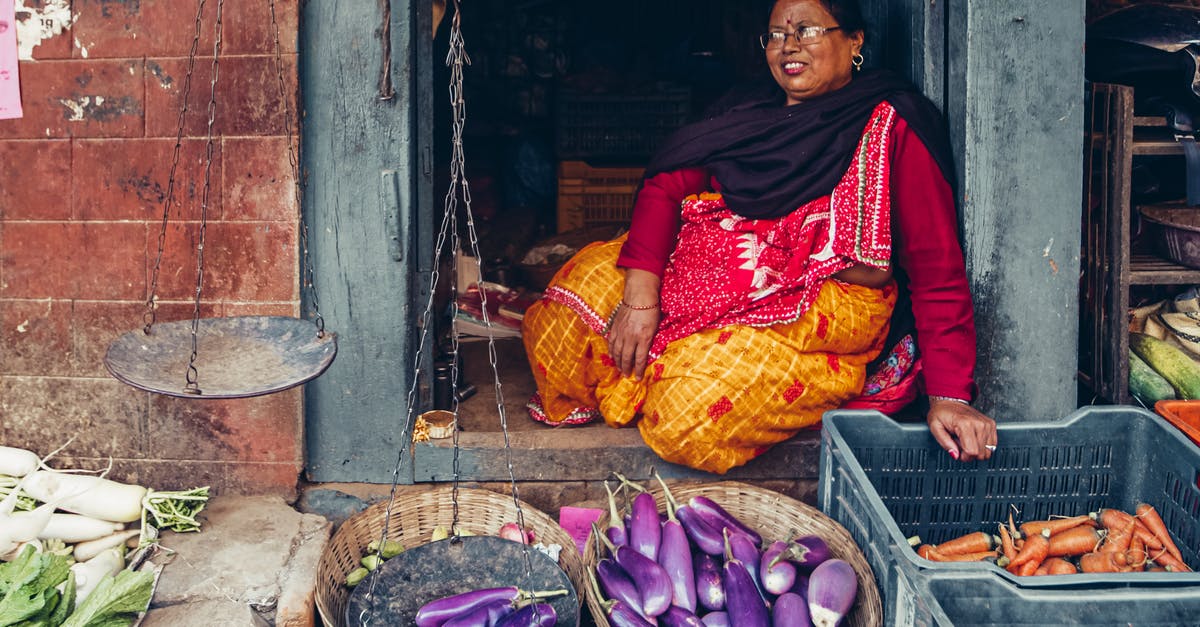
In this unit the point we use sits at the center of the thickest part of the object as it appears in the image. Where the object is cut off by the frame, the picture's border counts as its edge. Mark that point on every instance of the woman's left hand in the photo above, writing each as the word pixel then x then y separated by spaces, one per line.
pixel 965 432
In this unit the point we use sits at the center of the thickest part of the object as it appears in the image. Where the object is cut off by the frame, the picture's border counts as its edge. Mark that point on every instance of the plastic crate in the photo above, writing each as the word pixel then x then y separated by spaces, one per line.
pixel 886 482
pixel 595 196
pixel 618 125
pixel 1185 415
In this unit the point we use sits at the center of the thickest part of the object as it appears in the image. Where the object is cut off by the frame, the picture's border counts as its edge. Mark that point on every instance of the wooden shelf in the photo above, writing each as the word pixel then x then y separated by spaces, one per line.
pixel 1147 269
pixel 1155 141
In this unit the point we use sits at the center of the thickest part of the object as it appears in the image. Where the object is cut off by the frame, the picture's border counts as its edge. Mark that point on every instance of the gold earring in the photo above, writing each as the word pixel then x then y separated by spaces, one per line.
pixel 857 60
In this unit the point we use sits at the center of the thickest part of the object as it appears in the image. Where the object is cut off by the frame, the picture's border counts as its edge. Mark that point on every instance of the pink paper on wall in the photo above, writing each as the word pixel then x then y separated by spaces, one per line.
pixel 10 84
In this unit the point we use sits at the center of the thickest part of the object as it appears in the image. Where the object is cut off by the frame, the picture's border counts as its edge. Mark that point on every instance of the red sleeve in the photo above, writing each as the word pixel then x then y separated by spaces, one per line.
pixel 655 223
pixel 925 228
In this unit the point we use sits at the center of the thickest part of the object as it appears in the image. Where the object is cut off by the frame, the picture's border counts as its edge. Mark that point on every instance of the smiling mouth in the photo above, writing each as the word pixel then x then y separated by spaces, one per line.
pixel 793 68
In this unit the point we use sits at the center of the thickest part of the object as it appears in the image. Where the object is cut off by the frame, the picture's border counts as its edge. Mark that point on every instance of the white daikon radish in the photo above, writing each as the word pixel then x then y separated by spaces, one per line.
pixel 16 551
pixel 17 462
pixel 90 573
pixel 72 528
pixel 84 494
pixel 25 526
pixel 85 551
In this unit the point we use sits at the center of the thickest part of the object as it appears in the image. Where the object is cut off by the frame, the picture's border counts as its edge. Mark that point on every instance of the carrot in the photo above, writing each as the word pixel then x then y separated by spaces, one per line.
pixel 971 543
pixel 1056 525
pixel 1029 569
pixel 1149 516
pixel 1044 569
pixel 924 550
pixel 1012 528
pixel 937 556
pixel 1118 540
pixel 1034 550
pixel 1006 543
pixel 1075 541
pixel 1164 558
pixel 1059 566
pixel 1136 555
pixel 1113 519
pixel 1098 563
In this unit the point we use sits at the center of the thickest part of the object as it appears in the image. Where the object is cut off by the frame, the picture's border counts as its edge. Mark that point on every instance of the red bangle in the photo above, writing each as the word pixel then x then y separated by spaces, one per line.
pixel 628 306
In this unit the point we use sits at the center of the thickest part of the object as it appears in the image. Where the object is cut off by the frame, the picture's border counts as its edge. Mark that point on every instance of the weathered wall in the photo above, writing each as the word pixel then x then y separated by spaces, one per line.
pixel 83 179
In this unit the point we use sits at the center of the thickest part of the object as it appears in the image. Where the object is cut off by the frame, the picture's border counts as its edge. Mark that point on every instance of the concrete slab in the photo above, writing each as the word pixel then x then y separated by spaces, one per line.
pixel 256 552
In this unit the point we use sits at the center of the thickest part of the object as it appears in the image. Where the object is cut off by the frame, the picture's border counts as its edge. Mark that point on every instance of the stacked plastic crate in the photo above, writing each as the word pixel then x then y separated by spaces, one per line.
pixel 603 141
pixel 886 482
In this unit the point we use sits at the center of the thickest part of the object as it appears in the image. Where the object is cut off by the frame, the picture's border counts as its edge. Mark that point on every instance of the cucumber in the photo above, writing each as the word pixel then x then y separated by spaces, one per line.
pixel 1145 384
pixel 1181 371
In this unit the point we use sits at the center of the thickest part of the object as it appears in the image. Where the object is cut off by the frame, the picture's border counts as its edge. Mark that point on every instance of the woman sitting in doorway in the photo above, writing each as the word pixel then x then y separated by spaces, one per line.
pixel 769 248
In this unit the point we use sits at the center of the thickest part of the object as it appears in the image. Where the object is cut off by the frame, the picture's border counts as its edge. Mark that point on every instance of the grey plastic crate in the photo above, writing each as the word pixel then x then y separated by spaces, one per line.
pixel 886 482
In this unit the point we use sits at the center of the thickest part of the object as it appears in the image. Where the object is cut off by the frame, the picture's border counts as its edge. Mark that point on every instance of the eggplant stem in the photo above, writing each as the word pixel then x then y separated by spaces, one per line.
pixel 538 595
pixel 636 486
pixel 672 504
pixel 600 537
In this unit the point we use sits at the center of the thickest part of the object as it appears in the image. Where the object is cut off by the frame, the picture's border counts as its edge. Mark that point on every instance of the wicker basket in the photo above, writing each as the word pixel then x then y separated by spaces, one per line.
pixel 414 518
pixel 775 516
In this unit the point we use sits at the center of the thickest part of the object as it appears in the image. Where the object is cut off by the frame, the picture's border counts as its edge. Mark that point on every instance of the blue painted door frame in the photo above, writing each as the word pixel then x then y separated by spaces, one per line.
pixel 368 204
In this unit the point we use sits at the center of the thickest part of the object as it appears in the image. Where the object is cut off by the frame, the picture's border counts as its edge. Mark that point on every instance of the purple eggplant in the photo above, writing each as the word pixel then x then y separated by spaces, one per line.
pixel 679 617
pixel 618 613
pixel 808 552
pixel 703 534
pixel 743 549
pixel 776 574
pixel 832 587
pixel 744 604
pixel 436 613
pixel 721 518
pixel 651 579
pixel 645 528
pixel 790 610
pixel 485 614
pixel 675 555
pixel 532 615
pixel 716 619
pixel 710 587
pixel 617 585
pixel 615 531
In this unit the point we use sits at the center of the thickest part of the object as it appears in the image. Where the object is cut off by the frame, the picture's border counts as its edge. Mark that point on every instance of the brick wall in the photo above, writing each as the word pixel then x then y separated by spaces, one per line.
pixel 83 180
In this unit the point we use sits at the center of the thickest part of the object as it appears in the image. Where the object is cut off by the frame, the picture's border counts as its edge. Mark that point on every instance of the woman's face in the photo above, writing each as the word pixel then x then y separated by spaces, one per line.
pixel 811 69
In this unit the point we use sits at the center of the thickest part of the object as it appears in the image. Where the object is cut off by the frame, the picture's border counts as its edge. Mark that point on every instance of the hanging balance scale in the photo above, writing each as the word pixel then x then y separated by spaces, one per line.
pixel 394 592
pixel 228 357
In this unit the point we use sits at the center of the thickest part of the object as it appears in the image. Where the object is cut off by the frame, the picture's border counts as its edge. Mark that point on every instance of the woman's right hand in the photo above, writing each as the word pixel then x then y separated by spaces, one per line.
pixel 634 322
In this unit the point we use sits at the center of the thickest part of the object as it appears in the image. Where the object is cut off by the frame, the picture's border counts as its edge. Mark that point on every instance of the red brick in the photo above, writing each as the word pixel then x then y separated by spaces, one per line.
pixel 36 336
pixel 243 261
pixel 74 260
pixel 259 429
pixel 253 33
pixel 104 415
pixel 79 99
pixel 288 309
pixel 33 178
pixel 126 179
pixel 258 182
pixel 56 43
pixel 247 97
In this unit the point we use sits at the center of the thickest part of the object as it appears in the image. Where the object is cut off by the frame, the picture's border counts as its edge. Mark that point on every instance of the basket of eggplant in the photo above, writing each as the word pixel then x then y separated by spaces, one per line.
pixel 724 554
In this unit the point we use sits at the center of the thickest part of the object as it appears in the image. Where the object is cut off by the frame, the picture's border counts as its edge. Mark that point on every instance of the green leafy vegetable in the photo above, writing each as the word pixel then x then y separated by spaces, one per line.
pixel 116 601
pixel 27 586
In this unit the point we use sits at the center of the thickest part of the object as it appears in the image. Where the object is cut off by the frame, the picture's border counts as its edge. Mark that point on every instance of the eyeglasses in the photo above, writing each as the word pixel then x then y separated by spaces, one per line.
pixel 804 36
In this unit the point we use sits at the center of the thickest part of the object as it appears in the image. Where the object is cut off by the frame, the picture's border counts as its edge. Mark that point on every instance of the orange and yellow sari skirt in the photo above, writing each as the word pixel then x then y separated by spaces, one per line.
pixel 715 399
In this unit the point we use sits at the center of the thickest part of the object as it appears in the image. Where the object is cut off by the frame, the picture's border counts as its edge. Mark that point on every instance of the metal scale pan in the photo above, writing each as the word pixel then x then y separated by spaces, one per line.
pixel 236 357
pixel 440 569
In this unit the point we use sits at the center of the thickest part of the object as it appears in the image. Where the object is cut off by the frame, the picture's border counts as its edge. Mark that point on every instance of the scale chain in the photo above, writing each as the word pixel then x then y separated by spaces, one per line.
pixel 456 59
pixel 306 268
pixel 192 386
pixel 150 315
